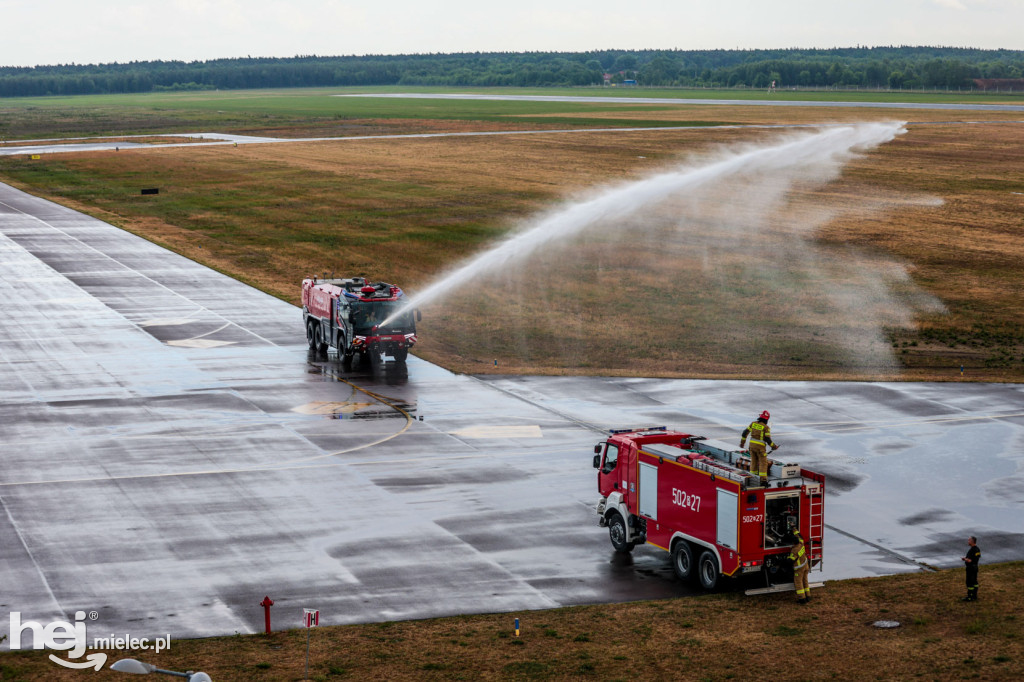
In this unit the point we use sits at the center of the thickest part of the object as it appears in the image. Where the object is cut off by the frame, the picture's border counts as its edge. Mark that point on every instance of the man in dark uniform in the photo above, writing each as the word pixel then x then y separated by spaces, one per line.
pixel 971 561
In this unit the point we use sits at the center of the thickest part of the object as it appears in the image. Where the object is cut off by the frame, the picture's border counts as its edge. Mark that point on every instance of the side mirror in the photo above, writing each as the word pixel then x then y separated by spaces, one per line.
pixel 597 449
pixel 419 315
pixel 597 461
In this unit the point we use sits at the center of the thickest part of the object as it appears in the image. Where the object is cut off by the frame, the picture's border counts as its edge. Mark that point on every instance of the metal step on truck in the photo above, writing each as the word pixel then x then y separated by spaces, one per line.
pixel 697 499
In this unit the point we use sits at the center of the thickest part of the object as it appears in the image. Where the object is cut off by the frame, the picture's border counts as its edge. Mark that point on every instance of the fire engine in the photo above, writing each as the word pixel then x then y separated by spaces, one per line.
pixel 348 314
pixel 696 499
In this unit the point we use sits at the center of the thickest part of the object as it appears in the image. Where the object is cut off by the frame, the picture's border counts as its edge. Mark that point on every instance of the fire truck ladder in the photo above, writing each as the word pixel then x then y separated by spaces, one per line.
pixel 817 529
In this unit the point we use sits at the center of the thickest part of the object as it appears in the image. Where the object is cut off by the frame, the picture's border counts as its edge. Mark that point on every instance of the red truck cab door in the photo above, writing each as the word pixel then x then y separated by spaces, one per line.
pixel 609 466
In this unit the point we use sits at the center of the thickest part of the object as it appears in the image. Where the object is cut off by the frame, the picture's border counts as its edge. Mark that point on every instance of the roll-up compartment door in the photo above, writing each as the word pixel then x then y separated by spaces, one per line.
pixel 648 502
pixel 728 518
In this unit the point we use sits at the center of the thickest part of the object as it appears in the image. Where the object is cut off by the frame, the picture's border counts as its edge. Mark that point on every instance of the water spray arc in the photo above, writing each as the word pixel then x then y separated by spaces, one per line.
pixel 822 153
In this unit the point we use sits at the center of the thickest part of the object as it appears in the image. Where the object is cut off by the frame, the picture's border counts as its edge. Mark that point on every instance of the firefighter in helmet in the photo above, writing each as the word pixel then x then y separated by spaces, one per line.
pixel 760 438
pixel 801 566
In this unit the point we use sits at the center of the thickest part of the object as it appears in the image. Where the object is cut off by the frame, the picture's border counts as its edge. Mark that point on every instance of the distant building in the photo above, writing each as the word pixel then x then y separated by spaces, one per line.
pixel 1000 84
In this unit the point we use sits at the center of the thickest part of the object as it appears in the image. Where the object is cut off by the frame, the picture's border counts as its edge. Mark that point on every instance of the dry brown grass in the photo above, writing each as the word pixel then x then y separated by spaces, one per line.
pixel 714 637
pixel 405 210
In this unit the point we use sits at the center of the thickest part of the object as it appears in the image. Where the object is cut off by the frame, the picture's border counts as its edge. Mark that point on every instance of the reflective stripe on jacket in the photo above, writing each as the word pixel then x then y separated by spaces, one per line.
pixel 759 433
pixel 798 553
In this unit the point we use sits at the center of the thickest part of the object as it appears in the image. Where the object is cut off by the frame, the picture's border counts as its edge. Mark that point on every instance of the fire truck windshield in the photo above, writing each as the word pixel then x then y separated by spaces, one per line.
pixel 367 314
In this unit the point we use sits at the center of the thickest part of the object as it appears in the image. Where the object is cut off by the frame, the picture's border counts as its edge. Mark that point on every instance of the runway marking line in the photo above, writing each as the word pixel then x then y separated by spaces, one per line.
pixel 376 396
pixel 122 265
pixel 270 468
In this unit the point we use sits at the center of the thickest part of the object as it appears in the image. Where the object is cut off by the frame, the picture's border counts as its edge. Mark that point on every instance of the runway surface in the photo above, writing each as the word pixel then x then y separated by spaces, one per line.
pixel 630 99
pixel 203 139
pixel 171 455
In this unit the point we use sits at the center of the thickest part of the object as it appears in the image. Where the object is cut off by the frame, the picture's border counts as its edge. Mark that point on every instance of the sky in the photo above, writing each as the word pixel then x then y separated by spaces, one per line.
pixel 37 32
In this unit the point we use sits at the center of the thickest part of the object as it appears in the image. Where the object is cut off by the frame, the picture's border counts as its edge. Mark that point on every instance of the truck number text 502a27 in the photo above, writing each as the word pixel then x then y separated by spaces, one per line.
pixel 686 501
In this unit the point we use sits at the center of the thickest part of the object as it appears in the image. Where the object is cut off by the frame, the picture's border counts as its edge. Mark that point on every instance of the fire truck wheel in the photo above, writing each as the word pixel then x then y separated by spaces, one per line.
pixel 682 559
pixel 318 337
pixel 617 533
pixel 401 354
pixel 310 338
pixel 707 570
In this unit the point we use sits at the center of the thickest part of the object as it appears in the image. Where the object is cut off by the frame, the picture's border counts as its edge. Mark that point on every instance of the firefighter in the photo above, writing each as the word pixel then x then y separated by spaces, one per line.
pixel 801 567
pixel 971 561
pixel 760 438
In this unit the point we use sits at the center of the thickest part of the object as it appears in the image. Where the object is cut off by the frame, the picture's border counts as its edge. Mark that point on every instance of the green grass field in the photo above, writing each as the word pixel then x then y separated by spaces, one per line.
pixel 133 114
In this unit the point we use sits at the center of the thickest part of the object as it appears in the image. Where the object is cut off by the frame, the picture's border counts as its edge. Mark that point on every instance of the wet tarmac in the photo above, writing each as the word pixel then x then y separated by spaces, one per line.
pixel 172 454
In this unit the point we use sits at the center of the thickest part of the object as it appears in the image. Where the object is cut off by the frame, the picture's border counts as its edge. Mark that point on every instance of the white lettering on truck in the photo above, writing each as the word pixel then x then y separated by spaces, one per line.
pixel 685 500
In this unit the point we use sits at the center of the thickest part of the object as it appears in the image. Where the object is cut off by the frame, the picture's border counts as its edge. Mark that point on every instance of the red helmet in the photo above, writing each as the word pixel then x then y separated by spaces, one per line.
pixel 765 415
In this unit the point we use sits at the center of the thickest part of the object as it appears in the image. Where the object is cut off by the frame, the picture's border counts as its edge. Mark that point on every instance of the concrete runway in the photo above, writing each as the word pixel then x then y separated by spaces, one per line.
pixel 629 99
pixel 171 454
pixel 206 139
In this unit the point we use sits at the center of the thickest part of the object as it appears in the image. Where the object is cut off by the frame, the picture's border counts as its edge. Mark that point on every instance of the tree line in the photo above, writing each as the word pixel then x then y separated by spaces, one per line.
pixel 861 67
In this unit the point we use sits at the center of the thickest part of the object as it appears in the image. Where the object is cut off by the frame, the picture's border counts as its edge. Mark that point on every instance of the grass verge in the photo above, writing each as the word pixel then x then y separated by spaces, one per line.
pixel 714 637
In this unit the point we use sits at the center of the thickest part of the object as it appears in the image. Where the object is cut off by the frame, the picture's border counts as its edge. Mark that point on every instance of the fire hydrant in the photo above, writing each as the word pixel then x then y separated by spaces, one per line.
pixel 266 604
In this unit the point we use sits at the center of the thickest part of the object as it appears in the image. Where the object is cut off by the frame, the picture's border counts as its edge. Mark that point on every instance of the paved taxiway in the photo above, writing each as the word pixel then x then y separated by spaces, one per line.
pixel 127 143
pixel 170 455
pixel 630 99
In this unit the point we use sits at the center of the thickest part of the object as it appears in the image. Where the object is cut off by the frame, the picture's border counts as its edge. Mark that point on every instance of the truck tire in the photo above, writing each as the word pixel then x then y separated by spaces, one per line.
pixel 617 534
pixel 707 570
pixel 310 338
pixel 345 352
pixel 401 354
pixel 318 338
pixel 682 560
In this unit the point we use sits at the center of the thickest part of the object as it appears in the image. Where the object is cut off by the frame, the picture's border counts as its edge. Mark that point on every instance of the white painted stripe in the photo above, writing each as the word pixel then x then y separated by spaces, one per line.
pixel 499 431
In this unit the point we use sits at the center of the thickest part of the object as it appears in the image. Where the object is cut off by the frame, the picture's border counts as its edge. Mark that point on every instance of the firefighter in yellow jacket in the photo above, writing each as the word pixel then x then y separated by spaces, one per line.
pixel 801 567
pixel 760 438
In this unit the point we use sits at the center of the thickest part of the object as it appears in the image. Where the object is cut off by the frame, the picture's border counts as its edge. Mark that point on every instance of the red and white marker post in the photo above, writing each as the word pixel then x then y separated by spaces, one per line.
pixel 310 619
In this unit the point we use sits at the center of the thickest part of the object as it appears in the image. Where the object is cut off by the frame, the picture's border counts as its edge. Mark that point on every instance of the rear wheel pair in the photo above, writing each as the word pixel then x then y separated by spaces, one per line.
pixel 315 337
pixel 705 571
pixel 310 335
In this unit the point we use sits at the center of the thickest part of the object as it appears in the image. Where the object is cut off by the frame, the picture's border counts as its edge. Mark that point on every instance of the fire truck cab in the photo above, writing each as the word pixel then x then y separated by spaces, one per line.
pixel 696 499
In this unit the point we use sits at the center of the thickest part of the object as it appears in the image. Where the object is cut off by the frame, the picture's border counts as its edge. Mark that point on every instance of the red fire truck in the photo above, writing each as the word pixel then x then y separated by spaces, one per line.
pixel 348 314
pixel 696 499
